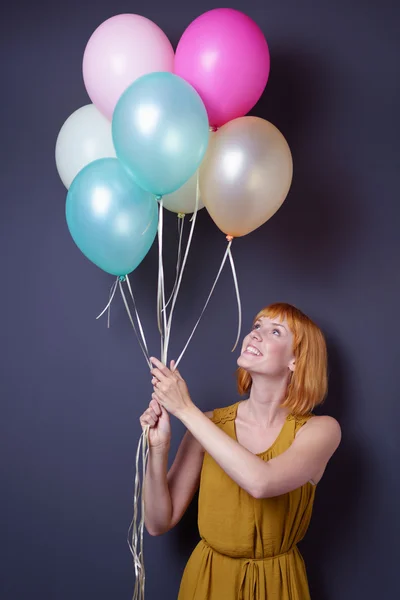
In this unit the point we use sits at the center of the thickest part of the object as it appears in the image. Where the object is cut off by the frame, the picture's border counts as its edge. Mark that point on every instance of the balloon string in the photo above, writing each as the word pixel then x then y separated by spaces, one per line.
pixel 181 222
pixel 237 298
pixel 161 316
pixel 136 542
pixel 206 304
pixel 145 454
pixel 141 340
pixel 175 296
pixel 113 289
pixel 159 232
pixel 136 545
pixel 137 530
pixel 128 283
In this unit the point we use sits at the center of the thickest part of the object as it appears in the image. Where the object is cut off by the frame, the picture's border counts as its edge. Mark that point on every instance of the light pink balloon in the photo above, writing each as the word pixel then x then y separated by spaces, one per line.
pixel 224 55
pixel 120 50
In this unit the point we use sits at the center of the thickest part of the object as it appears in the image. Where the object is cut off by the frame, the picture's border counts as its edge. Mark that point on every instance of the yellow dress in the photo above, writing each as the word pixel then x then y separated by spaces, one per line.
pixel 248 547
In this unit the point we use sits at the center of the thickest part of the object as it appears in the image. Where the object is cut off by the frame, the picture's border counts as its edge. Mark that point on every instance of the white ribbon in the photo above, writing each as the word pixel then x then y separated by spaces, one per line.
pixel 113 289
pixel 141 339
pixel 175 295
pixel 164 325
pixel 181 223
pixel 136 542
pixel 206 304
pixel 235 281
pixel 128 283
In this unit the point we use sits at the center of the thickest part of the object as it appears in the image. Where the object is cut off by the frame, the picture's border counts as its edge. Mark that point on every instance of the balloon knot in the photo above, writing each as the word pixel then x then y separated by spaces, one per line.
pixel 122 278
pixel 229 238
pixel 158 197
pixel 181 215
pixel 213 128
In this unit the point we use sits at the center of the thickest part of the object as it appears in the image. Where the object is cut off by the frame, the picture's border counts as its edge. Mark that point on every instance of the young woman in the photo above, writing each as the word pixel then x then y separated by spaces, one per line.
pixel 257 462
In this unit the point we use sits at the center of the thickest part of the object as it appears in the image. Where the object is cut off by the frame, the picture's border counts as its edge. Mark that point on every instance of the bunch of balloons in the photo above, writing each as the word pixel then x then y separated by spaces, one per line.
pixel 146 135
pixel 168 129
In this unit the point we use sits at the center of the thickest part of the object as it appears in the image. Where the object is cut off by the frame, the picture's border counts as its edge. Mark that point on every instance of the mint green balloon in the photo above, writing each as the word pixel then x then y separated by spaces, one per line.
pixel 111 219
pixel 160 131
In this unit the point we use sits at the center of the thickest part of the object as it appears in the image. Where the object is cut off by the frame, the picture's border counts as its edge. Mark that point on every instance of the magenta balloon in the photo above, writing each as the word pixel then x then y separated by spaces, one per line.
pixel 224 55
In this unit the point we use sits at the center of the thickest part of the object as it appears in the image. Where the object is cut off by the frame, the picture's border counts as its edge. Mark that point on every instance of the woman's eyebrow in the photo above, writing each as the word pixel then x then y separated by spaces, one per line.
pixel 279 325
pixel 274 324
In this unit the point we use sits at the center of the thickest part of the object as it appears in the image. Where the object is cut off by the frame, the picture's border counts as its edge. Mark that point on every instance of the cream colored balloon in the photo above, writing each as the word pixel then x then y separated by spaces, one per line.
pixel 245 175
pixel 184 199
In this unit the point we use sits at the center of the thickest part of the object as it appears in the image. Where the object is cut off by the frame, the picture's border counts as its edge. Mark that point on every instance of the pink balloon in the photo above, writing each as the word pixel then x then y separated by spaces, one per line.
pixel 224 55
pixel 120 50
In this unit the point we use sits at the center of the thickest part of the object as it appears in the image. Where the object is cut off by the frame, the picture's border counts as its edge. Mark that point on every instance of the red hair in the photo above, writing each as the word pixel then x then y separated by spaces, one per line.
pixel 308 383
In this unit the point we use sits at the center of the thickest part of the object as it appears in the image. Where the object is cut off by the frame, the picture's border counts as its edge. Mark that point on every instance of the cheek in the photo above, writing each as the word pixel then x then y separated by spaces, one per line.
pixel 245 342
pixel 276 351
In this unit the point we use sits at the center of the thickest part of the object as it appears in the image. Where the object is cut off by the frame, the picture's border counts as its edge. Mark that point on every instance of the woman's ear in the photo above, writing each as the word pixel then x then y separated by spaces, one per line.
pixel 292 365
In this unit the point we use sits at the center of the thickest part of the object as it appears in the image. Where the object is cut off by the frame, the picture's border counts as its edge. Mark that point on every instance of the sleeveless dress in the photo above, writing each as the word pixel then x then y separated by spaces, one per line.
pixel 248 547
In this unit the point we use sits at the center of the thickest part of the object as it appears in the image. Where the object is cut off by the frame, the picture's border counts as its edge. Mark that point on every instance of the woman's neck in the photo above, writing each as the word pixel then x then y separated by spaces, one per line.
pixel 264 403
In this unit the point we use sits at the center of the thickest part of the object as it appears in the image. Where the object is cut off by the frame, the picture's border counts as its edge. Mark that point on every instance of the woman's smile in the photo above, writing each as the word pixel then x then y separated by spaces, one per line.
pixel 250 349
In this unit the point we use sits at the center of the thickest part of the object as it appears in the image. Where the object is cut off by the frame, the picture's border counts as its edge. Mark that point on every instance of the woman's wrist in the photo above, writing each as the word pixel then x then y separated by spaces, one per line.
pixel 160 450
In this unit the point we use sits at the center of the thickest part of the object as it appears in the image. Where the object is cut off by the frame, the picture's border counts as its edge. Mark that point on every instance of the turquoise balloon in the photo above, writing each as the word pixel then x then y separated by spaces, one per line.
pixel 111 219
pixel 160 131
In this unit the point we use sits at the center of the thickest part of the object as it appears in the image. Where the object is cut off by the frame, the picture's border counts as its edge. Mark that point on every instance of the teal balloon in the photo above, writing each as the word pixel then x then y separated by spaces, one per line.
pixel 160 131
pixel 111 219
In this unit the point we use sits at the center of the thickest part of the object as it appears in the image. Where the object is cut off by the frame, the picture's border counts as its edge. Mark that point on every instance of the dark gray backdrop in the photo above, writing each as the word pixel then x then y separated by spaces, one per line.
pixel 72 391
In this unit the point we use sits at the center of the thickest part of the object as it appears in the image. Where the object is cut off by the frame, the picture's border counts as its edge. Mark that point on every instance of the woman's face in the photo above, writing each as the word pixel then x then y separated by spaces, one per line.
pixel 268 348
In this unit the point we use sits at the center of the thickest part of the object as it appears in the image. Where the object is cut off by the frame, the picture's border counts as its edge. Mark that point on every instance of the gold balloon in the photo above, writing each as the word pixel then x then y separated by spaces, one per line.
pixel 245 175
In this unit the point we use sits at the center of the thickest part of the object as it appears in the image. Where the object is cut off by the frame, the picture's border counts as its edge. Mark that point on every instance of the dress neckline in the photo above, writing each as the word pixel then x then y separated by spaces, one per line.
pixel 273 443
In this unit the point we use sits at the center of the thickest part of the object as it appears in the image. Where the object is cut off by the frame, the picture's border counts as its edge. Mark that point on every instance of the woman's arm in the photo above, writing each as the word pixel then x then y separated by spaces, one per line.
pixel 240 464
pixel 167 495
pixel 305 459
pixel 157 498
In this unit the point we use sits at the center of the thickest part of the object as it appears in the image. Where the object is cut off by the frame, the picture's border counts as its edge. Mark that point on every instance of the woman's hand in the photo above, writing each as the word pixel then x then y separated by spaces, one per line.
pixel 160 427
pixel 170 389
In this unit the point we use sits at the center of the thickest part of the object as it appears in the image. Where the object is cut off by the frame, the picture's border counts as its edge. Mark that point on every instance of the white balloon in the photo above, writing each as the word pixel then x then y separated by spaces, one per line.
pixel 84 137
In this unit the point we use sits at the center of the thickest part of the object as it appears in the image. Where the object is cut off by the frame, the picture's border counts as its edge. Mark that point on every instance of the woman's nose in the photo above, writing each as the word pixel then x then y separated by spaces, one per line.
pixel 255 335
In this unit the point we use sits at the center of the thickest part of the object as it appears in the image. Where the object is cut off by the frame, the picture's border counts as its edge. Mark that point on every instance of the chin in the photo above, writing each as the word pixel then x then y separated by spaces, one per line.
pixel 243 362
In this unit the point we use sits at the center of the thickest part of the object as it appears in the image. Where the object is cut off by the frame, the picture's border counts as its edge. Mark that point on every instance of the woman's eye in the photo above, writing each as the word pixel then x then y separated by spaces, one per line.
pixel 256 326
pixel 276 331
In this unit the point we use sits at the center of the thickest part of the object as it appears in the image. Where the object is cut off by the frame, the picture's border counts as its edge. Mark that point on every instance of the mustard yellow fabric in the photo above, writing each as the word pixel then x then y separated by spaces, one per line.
pixel 248 547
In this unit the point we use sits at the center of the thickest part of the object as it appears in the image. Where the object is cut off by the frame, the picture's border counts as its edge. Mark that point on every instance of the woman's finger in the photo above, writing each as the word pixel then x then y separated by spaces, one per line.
pixel 148 420
pixel 157 396
pixel 163 370
pixel 158 363
pixel 152 414
pixel 159 386
pixel 156 407
pixel 149 414
pixel 156 382
pixel 175 371
pixel 158 374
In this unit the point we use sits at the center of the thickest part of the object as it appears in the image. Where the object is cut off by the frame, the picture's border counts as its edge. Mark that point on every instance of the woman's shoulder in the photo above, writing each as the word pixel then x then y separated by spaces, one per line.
pixel 223 413
pixel 324 423
pixel 321 420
